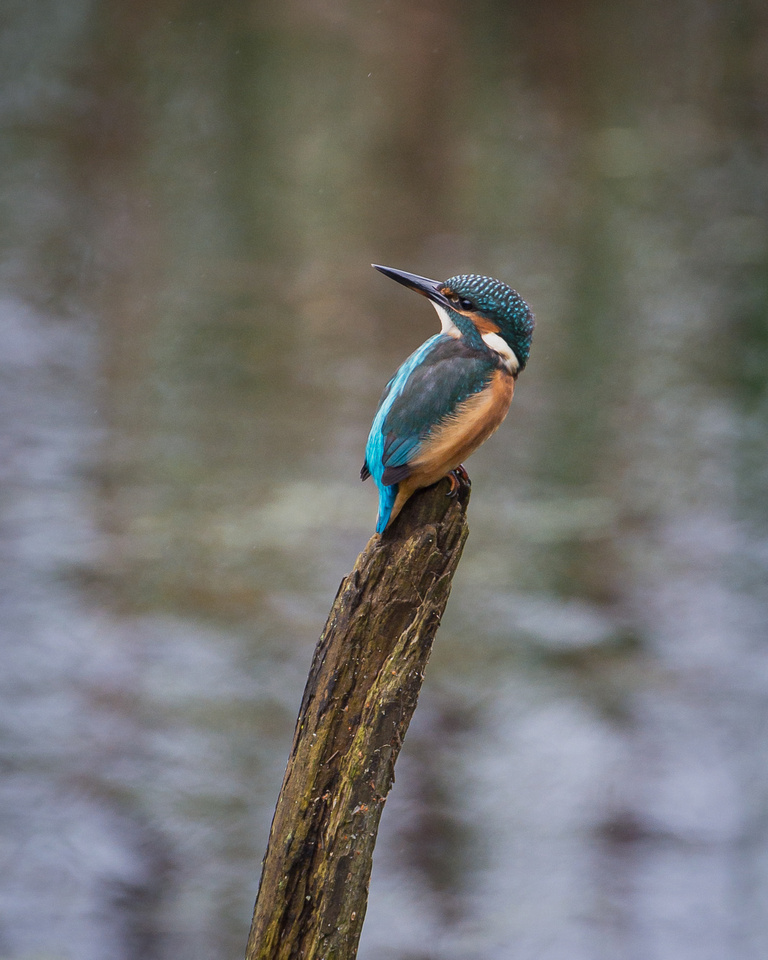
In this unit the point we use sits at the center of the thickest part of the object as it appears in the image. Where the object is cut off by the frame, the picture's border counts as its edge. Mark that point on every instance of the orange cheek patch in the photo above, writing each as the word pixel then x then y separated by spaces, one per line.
pixel 485 326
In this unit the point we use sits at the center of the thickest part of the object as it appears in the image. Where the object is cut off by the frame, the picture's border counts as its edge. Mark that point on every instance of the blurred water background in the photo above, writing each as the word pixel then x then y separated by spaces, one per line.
pixel 192 345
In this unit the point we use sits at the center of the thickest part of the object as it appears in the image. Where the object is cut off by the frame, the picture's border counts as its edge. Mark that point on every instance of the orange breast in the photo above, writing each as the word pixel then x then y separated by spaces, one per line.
pixel 458 436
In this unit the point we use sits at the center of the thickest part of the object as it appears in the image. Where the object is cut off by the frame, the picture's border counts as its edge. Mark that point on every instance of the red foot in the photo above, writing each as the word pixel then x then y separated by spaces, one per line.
pixel 456 478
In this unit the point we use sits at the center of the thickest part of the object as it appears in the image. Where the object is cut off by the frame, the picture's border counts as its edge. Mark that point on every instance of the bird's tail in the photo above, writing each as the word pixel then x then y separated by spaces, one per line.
pixel 387 496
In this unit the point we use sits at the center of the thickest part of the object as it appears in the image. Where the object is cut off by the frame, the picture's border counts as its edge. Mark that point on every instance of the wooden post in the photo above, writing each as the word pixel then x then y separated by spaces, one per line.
pixel 361 693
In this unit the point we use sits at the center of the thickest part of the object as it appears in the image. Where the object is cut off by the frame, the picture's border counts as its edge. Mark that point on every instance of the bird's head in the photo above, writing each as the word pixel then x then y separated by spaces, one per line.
pixel 474 306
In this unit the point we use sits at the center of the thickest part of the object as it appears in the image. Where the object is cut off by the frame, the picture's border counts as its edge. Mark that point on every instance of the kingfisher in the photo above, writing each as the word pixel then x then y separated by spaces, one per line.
pixel 453 392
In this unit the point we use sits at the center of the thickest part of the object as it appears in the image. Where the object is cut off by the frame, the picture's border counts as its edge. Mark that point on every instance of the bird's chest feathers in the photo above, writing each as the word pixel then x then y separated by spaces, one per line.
pixel 469 425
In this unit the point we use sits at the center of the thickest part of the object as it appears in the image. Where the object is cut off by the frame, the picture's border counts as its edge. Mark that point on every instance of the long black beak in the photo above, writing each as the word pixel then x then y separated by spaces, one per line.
pixel 422 285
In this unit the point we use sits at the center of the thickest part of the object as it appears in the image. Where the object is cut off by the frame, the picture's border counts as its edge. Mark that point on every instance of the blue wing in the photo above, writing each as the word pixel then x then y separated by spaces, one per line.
pixel 425 391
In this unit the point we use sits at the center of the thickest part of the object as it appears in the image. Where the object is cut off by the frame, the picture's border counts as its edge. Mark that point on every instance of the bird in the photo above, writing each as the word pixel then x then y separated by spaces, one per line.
pixel 452 393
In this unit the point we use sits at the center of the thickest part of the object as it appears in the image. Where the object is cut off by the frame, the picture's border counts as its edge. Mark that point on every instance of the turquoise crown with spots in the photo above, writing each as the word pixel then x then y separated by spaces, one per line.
pixel 501 305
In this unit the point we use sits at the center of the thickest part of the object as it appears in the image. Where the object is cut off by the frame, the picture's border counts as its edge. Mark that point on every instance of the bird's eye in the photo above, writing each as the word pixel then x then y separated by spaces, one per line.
pixel 466 304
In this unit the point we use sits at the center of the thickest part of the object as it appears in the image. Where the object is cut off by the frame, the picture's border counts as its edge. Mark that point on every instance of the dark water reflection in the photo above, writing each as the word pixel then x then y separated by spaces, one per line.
pixel 192 347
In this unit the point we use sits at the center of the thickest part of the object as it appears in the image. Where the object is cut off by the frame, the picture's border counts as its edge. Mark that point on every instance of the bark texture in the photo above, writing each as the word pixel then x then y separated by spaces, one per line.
pixel 361 692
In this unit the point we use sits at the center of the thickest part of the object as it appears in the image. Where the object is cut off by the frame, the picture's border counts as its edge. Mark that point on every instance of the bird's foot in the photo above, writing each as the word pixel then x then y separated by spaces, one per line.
pixel 456 478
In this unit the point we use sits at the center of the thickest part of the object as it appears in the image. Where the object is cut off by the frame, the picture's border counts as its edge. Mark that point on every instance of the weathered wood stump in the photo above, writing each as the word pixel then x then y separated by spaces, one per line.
pixel 361 692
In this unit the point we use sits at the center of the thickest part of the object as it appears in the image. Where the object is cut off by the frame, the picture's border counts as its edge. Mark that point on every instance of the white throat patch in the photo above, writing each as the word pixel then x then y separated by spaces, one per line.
pixel 500 346
pixel 446 324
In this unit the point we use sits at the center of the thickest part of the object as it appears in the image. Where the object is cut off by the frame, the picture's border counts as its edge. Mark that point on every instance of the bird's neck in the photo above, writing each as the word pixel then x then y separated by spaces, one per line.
pixel 507 356
pixel 462 328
